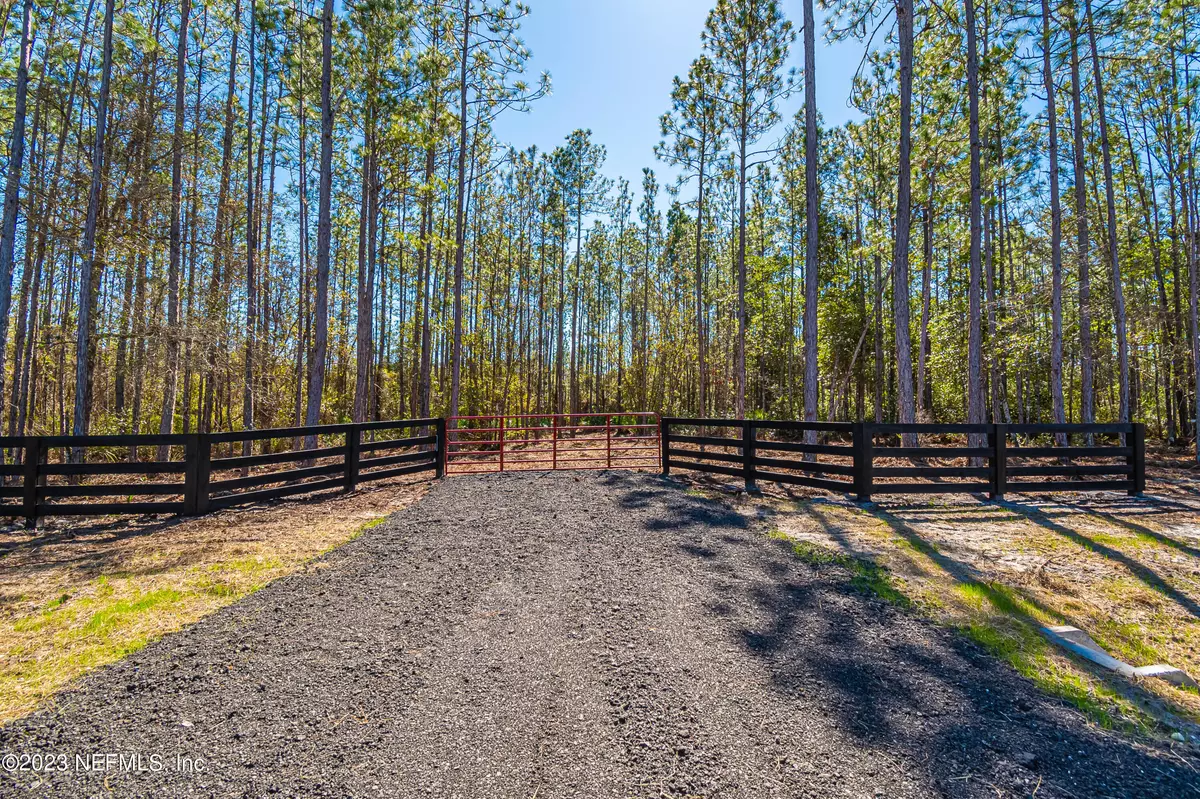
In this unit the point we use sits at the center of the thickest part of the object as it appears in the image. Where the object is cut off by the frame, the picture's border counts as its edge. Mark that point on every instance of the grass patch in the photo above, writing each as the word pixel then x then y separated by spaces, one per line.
pixel 865 576
pixel 112 617
pixel 1006 600
pixel 122 612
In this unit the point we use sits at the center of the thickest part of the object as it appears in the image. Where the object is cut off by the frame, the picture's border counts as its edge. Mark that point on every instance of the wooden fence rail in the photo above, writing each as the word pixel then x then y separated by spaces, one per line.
pixel 54 475
pixel 207 479
pixel 853 461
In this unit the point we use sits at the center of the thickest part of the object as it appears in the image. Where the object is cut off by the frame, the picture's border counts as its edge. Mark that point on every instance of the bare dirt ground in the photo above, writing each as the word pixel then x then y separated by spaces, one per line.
pixel 560 635
pixel 79 594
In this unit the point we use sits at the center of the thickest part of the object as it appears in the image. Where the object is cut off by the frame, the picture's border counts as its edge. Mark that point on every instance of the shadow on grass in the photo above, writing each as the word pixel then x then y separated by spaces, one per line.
pixel 89 549
pixel 1020 606
pixel 1150 578
pixel 1144 531
pixel 1046 518
pixel 92 547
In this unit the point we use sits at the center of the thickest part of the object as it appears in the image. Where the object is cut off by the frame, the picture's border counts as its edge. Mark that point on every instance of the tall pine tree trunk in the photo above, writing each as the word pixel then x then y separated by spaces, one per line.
pixel 811 220
pixel 740 355
pixel 1087 407
pixel 251 246
pixel 1056 335
pixel 12 187
pixel 701 335
pixel 900 281
pixel 316 363
pixel 167 422
pixel 214 306
pixel 923 386
pixel 83 342
pixel 975 409
pixel 366 290
pixel 459 213
pixel 1111 207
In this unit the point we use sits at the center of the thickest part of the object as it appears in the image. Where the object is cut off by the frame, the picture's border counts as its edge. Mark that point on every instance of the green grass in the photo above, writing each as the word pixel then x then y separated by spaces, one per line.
pixel 1006 600
pixel 120 612
pixel 1126 641
pixel 67 622
pixel 865 576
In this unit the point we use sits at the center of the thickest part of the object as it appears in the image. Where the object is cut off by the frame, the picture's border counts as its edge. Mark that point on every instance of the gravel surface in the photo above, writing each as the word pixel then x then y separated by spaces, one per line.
pixel 571 635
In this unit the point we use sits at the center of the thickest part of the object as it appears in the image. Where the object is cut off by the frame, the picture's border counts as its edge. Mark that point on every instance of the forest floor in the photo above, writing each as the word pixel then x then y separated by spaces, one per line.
pixel 76 595
pixel 1125 570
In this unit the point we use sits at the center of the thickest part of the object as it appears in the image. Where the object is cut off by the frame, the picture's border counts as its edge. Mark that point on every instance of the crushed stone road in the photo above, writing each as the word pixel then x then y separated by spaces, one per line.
pixel 569 635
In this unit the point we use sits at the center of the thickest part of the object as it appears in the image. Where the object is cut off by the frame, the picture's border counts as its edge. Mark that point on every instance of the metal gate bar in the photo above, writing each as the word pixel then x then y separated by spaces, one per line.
pixel 482 444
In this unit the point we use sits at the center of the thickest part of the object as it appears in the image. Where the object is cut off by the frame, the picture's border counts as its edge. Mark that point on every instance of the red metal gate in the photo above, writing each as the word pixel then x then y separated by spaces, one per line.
pixel 536 442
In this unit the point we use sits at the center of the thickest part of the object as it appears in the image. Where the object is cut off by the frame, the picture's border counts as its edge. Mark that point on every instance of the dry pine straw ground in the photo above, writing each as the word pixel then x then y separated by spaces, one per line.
pixel 1125 570
pixel 79 595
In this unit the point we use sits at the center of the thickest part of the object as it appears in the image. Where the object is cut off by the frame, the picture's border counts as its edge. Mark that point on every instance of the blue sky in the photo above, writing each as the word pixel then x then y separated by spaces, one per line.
pixel 611 64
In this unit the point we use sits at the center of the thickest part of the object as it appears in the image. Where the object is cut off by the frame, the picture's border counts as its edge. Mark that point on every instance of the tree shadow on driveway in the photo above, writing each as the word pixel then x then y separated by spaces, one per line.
pixel 883 679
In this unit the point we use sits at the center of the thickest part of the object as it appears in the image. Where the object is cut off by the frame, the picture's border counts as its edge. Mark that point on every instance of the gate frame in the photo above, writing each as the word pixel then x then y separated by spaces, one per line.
pixel 499 460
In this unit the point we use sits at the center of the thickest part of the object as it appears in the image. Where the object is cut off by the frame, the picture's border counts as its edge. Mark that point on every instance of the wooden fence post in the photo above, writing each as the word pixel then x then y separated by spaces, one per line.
pixel 203 471
pixel 501 438
pixel 191 460
pixel 1137 459
pixel 863 455
pixel 748 452
pixel 31 455
pixel 442 449
pixel 353 447
pixel 999 458
pixel 664 445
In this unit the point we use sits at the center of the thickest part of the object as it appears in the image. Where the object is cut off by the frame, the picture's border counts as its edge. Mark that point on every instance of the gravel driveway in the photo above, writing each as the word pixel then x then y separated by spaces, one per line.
pixel 570 635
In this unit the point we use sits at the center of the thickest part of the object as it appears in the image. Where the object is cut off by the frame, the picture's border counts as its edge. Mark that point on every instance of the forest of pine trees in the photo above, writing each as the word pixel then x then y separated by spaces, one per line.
pixel 227 214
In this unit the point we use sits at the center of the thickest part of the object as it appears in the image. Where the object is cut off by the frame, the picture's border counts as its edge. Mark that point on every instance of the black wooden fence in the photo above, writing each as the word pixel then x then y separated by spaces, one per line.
pixel 863 458
pixel 120 474
pixel 216 470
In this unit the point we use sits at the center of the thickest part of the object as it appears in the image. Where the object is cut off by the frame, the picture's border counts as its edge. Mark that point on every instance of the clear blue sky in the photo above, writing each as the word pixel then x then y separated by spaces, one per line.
pixel 611 65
